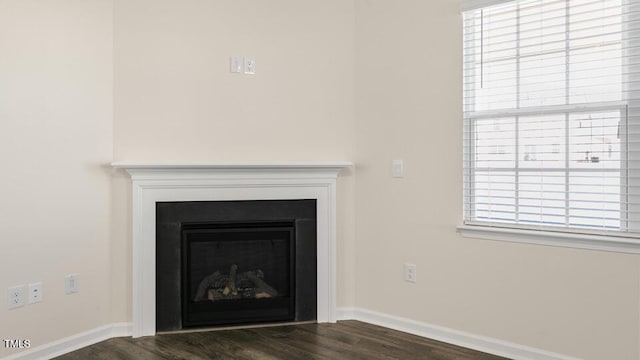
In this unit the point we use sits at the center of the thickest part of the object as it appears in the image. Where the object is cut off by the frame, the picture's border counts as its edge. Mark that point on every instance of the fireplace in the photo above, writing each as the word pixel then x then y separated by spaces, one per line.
pixel 153 183
pixel 235 262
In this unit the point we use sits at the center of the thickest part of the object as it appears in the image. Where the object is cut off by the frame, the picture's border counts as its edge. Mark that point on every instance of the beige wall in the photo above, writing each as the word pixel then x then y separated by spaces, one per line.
pixel 175 99
pixel 575 302
pixel 55 137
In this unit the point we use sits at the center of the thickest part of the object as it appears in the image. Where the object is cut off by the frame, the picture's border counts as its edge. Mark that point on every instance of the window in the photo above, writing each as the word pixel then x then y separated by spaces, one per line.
pixel 552 115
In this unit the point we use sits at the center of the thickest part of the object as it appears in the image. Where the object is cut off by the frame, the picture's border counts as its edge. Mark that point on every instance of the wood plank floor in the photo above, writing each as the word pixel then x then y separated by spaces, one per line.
pixel 344 340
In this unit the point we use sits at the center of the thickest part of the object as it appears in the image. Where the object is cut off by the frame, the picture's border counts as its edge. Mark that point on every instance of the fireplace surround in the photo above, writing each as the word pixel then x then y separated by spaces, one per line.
pixel 183 182
pixel 235 262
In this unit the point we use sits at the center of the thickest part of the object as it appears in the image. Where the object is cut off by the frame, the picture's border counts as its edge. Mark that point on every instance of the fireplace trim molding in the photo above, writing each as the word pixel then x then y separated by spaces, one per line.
pixel 157 182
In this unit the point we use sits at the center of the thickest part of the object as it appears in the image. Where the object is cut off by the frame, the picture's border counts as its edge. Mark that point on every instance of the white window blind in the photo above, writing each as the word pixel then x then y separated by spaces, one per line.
pixel 552 115
pixel 466 5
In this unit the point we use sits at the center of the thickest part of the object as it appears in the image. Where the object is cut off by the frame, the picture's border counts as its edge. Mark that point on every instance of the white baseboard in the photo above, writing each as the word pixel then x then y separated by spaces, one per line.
pixel 346 313
pixel 74 342
pixel 455 337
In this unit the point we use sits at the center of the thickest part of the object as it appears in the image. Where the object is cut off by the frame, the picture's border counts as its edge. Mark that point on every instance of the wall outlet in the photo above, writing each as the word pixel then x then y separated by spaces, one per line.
pixel 71 284
pixel 35 293
pixel 249 65
pixel 410 273
pixel 15 297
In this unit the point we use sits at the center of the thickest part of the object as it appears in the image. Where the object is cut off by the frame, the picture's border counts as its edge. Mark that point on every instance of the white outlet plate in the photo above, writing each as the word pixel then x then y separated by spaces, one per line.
pixel 410 273
pixel 15 297
pixel 71 284
pixel 35 293
pixel 249 65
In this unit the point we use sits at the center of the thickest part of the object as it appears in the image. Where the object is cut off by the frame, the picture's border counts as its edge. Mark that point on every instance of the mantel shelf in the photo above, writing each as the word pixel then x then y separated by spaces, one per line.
pixel 232 165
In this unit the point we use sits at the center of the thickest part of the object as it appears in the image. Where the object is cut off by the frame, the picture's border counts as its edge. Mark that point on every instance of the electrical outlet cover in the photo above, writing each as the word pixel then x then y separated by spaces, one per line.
pixel 410 273
pixel 249 65
pixel 15 297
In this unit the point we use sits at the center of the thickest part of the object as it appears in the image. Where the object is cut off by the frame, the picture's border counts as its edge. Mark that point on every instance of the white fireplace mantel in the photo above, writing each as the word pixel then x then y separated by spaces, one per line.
pixel 158 182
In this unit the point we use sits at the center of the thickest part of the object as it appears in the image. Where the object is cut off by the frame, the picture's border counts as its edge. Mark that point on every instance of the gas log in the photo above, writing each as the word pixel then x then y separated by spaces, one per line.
pixel 245 285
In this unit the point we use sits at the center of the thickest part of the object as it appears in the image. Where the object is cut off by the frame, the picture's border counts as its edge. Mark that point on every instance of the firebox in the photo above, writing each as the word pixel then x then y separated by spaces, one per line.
pixel 237 273
pixel 235 262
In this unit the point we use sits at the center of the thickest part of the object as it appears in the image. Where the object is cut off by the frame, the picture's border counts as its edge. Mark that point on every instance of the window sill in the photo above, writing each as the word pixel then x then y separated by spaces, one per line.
pixel 551 238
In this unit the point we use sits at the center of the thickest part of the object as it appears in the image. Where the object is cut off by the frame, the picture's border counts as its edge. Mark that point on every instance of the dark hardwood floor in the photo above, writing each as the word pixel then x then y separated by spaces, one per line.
pixel 344 340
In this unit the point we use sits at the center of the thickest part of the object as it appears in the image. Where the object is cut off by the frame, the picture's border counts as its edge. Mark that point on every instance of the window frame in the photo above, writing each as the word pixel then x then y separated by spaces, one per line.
pixel 622 240
pixel 470 168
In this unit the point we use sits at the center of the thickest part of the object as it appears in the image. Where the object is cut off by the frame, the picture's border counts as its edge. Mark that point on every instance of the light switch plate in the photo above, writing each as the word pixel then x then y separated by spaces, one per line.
pixel 235 64
pixel 35 293
pixel 397 168
pixel 71 284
